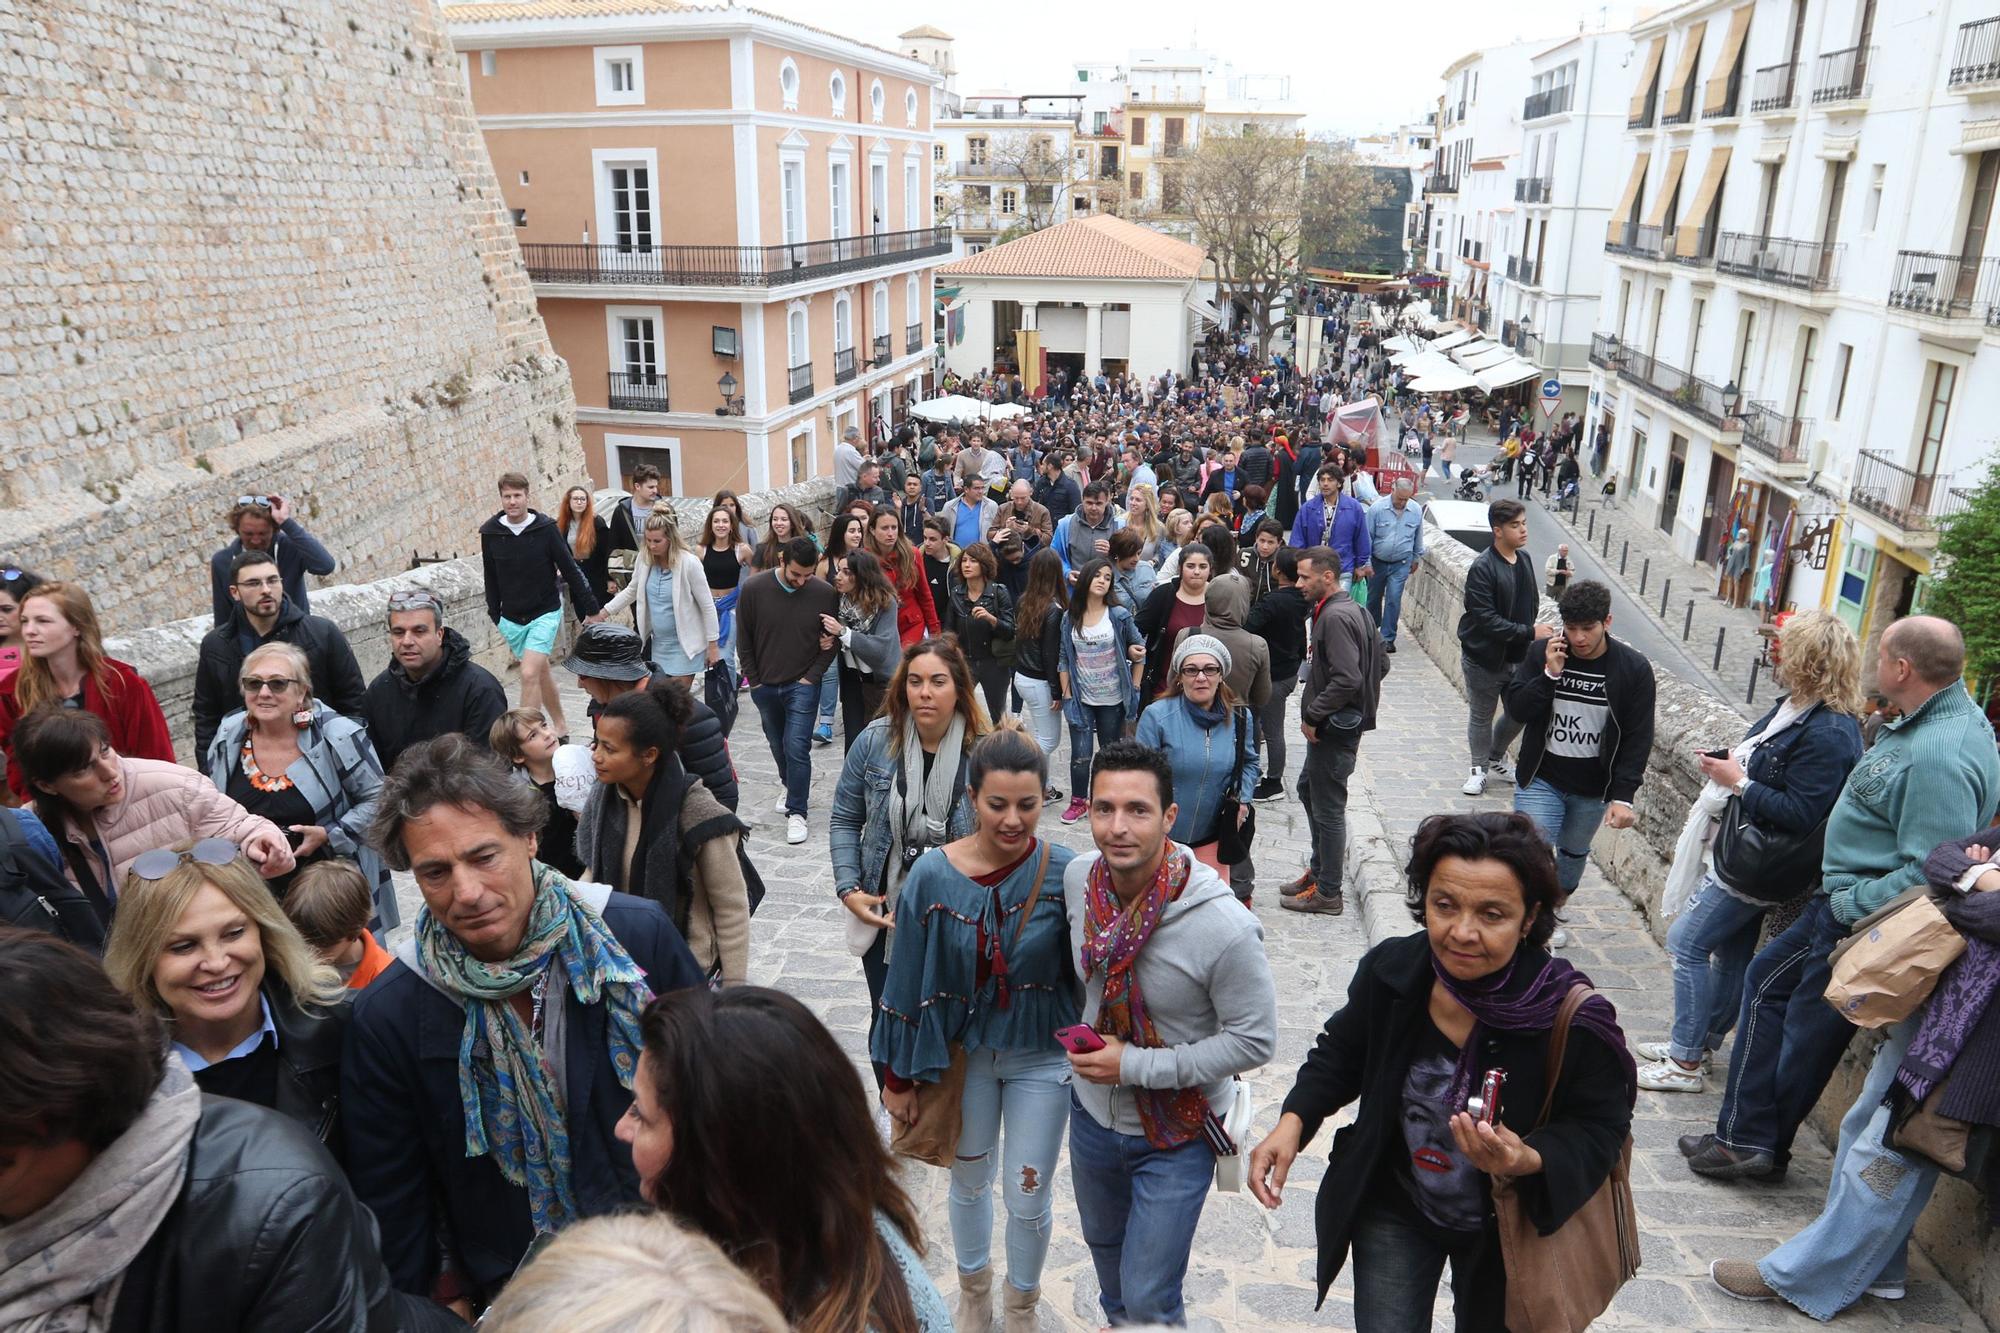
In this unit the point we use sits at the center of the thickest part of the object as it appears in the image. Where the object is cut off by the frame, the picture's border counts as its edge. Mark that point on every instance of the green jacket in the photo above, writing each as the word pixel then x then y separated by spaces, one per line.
pixel 1933 776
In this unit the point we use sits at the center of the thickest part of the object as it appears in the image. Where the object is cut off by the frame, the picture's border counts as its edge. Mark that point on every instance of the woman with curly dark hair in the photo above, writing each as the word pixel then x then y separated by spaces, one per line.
pixel 1427 1017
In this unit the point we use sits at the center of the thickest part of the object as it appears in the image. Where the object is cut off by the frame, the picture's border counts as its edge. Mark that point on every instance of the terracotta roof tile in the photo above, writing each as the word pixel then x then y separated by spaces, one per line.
pixel 1101 246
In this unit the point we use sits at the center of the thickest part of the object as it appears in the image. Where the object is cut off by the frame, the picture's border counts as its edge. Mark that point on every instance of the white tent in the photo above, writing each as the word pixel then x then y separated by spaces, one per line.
pixel 1401 343
pixel 1443 381
pixel 1452 339
pixel 958 407
pixel 1511 371
pixel 1482 358
pixel 1004 411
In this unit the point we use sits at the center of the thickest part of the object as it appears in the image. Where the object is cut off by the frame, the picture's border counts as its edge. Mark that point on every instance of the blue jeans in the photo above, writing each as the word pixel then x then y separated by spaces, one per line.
pixel 1711 942
pixel 1789 1040
pixel 1396 1267
pixel 1027 1092
pixel 1106 724
pixel 787 714
pixel 1862 1236
pixel 1385 595
pixel 1567 820
pixel 829 691
pixel 1139 1206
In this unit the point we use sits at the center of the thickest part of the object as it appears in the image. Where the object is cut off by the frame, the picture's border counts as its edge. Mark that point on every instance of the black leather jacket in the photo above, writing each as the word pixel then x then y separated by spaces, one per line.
pixel 308 1061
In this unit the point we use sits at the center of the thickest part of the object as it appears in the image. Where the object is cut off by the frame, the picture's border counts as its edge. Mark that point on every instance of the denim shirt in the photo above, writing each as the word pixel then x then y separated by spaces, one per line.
pixel 1126 629
pixel 931 997
pixel 859 826
pixel 1394 537
pixel 1202 757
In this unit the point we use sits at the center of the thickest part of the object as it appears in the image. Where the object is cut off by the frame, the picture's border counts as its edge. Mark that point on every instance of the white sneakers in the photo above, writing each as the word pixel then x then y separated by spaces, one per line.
pixel 1475 785
pixel 1502 770
pixel 1668 1076
pixel 779 804
pixel 1660 1050
pixel 795 829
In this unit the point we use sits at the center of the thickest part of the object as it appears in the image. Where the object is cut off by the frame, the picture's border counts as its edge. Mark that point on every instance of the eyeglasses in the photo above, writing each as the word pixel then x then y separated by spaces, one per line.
pixel 416 599
pixel 275 684
pixel 1195 672
pixel 260 501
pixel 274 581
pixel 163 861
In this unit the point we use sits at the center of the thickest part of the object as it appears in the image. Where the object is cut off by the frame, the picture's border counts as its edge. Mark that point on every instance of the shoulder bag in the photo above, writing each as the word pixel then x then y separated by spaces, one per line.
pixel 1766 864
pixel 1232 840
pixel 940 1105
pixel 1559 1283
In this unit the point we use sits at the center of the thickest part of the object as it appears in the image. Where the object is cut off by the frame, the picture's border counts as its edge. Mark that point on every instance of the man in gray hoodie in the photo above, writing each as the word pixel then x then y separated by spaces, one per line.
pixel 1181 995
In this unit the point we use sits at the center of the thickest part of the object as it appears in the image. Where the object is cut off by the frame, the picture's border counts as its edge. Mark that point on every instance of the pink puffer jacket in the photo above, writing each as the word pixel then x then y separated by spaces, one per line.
pixel 162 804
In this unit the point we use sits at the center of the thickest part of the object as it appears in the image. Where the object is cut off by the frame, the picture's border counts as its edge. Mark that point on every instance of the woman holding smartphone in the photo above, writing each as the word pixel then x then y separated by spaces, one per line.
pixel 982 961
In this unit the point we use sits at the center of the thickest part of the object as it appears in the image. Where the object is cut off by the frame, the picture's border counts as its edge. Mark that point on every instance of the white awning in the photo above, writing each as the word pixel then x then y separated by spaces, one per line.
pixel 1401 343
pixel 1443 381
pixel 1482 358
pixel 1511 371
pixel 1452 339
pixel 1206 309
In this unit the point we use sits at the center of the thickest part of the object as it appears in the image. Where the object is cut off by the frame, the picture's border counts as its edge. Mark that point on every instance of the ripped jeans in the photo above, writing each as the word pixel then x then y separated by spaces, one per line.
pixel 1027 1092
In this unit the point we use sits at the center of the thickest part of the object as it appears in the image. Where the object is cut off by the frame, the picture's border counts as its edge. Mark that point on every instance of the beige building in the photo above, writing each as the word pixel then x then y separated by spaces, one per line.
pixel 727 218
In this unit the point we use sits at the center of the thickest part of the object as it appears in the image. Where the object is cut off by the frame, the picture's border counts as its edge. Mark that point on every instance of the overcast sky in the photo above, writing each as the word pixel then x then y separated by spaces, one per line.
pixel 1355 65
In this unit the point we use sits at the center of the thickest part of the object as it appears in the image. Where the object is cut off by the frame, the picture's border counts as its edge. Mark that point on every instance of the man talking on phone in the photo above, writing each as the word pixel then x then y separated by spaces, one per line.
pixel 1584 702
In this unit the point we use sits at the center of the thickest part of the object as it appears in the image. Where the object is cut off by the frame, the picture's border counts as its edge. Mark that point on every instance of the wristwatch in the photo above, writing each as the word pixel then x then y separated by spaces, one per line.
pixel 1741 784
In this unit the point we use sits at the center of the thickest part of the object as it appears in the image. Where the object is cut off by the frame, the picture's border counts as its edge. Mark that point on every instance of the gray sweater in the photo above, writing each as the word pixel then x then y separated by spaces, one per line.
pixel 1207 986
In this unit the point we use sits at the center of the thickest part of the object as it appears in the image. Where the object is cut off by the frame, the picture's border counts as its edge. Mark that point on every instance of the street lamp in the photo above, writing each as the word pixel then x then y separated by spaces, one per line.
pixel 732 406
pixel 1731 396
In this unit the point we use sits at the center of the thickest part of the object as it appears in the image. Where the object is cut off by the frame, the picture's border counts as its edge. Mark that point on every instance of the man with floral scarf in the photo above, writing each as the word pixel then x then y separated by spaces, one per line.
pixel 1177 986
pixel 488 1067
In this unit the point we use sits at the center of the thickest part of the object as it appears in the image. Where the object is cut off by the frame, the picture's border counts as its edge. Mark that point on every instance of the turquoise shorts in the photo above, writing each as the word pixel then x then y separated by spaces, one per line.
pixel 537 636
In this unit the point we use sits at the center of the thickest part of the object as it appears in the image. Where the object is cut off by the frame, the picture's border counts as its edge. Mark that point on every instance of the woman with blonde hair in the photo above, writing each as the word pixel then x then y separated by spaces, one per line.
pixel 670 601
pixel 1142 516
pixel 286 756
pixel 1783 777
pixel 251 1010
pixel 64 666
pixel 633 1273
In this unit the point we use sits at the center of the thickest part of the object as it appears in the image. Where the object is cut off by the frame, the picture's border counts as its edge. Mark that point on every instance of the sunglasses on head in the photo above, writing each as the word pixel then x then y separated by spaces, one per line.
pixel 415 600
pixel 163 861
pixel 261 501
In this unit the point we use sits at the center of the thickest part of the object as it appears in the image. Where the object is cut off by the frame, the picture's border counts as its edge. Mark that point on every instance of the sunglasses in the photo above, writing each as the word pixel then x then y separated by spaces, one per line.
pixel 275 684
pixel 12 575
pixel 408 600
pixel 163 861
pixel 261 501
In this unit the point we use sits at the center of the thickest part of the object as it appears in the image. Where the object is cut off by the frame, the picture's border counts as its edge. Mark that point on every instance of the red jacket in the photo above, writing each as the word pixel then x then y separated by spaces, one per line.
pixel 916 611
pixel 138 727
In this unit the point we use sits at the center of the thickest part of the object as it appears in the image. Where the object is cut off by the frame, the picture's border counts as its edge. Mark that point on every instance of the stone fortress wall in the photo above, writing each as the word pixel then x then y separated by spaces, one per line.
pixel 250 247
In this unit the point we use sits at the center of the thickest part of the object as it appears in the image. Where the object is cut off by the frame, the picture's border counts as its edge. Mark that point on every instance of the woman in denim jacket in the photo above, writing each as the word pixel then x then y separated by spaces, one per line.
pixel 982 959
pixel 902 791
pixel 1102 653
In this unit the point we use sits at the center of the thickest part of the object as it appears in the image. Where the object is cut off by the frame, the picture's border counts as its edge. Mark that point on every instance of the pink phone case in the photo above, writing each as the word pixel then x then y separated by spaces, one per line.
pixel 1079 1039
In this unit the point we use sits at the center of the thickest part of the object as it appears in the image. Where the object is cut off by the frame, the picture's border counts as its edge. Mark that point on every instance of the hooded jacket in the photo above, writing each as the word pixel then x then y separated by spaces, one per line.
pixel 1280 617
pixel 1249 656
pixel 1208 989
pixel 336 676
pixel 458 695
pixel 522 570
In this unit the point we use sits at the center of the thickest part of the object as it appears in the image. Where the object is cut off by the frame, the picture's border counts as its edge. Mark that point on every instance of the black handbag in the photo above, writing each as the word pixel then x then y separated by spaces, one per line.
pixel 1232 841
pixel 718 691
pixel 1765 864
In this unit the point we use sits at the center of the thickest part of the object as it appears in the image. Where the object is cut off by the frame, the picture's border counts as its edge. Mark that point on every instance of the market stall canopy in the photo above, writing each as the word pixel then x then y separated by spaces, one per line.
pixel 1443 381
pixel 958 407
pixel 1401 343
pixel 1511 371
pixel 1482 359
pixel 1452 339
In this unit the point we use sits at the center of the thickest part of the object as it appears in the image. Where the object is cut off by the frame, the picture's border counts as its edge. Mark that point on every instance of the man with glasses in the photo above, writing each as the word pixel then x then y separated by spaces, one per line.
pixel 431 686
pixel 261 614
pixel 265 523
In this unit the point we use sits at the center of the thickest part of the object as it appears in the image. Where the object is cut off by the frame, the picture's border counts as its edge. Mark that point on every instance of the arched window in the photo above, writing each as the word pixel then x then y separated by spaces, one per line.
pixel 876 100
pixel 843 322
pixel 788 84
pixel 797 348
pixel 910 107
pixel 836 89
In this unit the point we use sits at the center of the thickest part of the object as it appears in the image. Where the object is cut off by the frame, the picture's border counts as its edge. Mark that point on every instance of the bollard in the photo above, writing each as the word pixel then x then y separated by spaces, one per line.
pixel 1687 622
pixel 1591 531
pixel 1666 586
pixel 1645 572
pixel 1720 631
pixel 1606 548
pixel 1750 697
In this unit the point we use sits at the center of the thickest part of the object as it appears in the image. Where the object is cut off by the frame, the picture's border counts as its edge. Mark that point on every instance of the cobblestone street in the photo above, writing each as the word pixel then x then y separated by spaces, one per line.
pixel 1252 1269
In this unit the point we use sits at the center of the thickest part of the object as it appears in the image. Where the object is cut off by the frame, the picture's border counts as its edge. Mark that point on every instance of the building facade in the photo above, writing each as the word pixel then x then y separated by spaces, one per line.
pixel 1009 164
pixel 1798 333
pixel 728 220
pixel 1470 188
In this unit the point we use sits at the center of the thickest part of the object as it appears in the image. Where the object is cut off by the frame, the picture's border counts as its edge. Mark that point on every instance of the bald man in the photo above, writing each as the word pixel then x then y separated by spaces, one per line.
pixel 1887 820
pixel 1021 504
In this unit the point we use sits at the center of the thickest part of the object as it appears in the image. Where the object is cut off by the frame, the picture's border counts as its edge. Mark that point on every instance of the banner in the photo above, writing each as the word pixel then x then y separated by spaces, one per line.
pixel 1028 356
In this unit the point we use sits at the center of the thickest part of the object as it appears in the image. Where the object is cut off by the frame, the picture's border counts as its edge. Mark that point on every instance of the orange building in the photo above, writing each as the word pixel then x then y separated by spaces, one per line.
pixel 711 199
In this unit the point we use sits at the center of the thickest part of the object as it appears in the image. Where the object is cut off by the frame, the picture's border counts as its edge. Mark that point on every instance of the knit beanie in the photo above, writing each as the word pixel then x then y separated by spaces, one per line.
pixel 1203 643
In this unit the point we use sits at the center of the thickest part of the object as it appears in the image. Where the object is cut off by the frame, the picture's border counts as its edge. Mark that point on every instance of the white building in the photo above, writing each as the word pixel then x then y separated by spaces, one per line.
pixel 1571 165
pixel 1798 335
pixel 1103 292
pixel 1470 189
pixel 1005 162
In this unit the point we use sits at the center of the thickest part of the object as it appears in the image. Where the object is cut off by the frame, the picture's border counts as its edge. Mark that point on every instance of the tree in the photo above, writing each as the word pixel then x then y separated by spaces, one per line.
pixel 1038 173
pixel 1968 592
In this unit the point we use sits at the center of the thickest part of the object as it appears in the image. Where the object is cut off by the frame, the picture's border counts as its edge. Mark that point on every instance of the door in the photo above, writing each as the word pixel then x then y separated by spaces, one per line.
pixel 878 196
pixel 640 349
pixel 1937 415
pixel 1978 216
pixel 1716 509
pixel 792 186
pixel 631 209
pixel 1670 503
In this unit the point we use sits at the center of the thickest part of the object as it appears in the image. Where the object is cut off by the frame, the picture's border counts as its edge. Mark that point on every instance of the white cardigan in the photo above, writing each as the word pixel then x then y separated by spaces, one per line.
pixel 694 605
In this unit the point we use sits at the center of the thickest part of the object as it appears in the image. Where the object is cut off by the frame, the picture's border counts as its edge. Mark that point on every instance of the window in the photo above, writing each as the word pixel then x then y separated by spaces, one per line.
pixel 1136 184
pixel 1694 339
pixel 1042 195
pixel 1010 202
pixel 1937 415
pixel 1808 358
pixel 792 186
pixel 631 456
pixel 788 84
pixel 1080 203
pixel 638 348
pixel 876 100
pixel 843 322
pixel 910 107
pixel 621 75
pixel 1844 360
pixel 1138 131
pixel 912 305
pixel 631 207
pixel 878 195
pixel 798 444
pixel 937 152
pixel 880 327
pixel 797 349
pixel 975 151
pixel 487 63
pixel 520 217
pixel 837 197
pixel 912 190
pixel 836 92
pixel 1746 330
pixel 981 195
pixel 1873 208
pixel 524 178
pixel 974 247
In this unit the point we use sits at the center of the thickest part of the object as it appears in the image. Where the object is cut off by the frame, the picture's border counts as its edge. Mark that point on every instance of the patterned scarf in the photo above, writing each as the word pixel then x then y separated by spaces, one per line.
pixel 513 1111
pixel 1113 935
pixel 1504 1002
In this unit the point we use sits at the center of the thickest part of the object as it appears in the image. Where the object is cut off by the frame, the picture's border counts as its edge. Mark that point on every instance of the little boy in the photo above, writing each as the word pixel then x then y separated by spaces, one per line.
pixel 330 904
pixel 563 774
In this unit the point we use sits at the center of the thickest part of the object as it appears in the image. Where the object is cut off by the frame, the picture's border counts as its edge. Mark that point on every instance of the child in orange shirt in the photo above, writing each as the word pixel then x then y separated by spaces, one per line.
pixel 330 904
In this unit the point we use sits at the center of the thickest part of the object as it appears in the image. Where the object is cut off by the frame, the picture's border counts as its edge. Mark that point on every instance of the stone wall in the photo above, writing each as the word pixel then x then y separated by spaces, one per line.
pixel 166 654
pixel 1952 1230
pixel 253 248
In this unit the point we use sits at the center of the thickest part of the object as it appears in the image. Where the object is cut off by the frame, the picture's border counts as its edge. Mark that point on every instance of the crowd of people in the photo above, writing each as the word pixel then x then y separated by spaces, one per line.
pixel 239 1090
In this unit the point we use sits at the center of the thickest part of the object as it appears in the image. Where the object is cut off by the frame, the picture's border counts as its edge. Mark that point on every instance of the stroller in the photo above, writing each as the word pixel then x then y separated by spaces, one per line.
pixel 1472 482
pixel 1569 497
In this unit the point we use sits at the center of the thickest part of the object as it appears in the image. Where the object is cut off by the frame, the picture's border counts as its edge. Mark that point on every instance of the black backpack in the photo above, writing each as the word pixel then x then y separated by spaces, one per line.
pixel 35 895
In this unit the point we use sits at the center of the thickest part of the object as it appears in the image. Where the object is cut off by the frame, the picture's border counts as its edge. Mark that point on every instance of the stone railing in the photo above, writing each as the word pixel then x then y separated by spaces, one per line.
pixel 1635 860
pixel 166 654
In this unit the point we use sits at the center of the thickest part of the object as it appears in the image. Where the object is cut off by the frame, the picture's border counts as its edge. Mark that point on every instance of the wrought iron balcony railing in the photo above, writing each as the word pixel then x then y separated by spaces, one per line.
pixel 1976 59
pixel 1811 266
pixel 1548 102
pixel 728 265
pixel 913 338
pixel 1533 189
pixel 637 391
pixel 1690 393
pixel 801 381
pixel 1780 438
pixel 1775 88
pixel 1945 286
pixel 1913 501
pixel 1842 76
pixel 844 368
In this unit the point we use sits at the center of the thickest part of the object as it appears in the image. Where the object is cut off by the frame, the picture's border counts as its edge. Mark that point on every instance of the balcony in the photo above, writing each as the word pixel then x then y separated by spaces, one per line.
pixel 1642 241
pixel 1645 119
pixel 1780 440
pixel 1606 352
pixel 1945 286
pixel 1975 62
pixel 1774 88
pixel 1734 97
pixel 1524 271
pixel 1910 502
pixel 1842 76
pixel 1689 393
pixel 1533 189
pixel 913 338
pixel 1529 345
pixel 844 368
pixel 1441 184
pixel 800 378
pixel 1684 113
pixel 883 353
pixel 729 265
pixel 1548 102
pixel 1181 148
pixel 1704 248
pixel 637 391
pixel 1807 266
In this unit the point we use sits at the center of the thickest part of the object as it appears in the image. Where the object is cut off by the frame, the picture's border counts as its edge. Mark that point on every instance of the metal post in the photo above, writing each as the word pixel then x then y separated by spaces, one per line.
pixel 1687 623
pixel 1591 531
pixel 1720 631
pixel 1666 586
pixel 1750 696
pixel 1645 571
pixel 1605 549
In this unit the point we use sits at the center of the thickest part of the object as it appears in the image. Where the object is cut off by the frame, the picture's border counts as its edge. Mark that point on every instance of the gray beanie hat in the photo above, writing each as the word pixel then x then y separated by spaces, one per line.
pixel 1203 643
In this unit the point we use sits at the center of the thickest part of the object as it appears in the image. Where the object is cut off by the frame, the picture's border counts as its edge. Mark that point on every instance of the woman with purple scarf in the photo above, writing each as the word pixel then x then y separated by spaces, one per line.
pixel 1428 1018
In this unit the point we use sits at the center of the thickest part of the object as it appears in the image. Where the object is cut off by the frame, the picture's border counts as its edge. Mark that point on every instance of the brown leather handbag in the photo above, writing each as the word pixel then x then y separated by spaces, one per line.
pixel 1559 1283
pixel 941 1105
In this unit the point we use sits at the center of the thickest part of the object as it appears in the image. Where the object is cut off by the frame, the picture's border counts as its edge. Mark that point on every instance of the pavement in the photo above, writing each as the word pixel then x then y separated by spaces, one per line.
pixel 1252 1269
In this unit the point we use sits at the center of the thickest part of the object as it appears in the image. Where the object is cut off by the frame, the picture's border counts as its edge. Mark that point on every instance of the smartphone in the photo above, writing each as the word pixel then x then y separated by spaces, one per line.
pixel 1716 754
pixel 1079 1039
